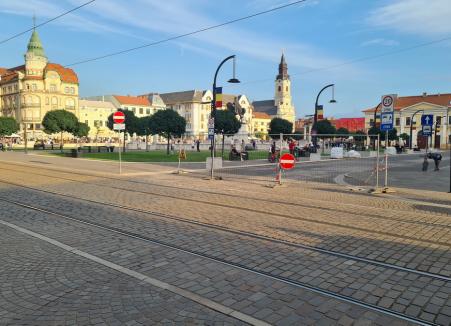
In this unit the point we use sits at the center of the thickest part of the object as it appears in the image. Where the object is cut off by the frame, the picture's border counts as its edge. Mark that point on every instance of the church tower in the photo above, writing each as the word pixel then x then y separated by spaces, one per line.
pixel 282 97
pixel 35 59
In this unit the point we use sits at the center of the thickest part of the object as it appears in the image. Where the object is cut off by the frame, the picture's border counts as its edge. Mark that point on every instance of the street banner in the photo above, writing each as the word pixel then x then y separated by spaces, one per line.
pixel 218 103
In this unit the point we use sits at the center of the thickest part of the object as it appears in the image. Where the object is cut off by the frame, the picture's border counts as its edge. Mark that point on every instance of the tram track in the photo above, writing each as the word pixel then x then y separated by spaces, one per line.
pixel 237 232
pixel 285 280
pixel 288 216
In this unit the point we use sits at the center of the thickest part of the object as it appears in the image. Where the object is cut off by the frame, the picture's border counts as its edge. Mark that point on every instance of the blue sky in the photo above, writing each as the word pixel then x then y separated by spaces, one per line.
pixel 314 36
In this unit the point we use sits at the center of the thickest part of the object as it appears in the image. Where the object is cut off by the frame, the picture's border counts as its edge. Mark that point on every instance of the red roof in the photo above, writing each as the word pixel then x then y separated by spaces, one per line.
pixel 133 100
pixel 261 115
pixel 67 75
pixel 406 101
pixel 352 124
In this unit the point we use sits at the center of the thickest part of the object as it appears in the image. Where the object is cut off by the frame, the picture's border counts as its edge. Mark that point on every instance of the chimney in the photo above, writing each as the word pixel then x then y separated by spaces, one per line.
pixel 425 94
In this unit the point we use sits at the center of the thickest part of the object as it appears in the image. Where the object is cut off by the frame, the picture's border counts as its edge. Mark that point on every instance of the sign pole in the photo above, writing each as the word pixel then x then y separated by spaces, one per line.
pixel 377 162
pixel 386 160
pixel 119 150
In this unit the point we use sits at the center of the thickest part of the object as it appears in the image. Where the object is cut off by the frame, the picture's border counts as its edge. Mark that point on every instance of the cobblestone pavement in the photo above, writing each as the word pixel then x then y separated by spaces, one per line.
pixel 391 230
pixel 44 285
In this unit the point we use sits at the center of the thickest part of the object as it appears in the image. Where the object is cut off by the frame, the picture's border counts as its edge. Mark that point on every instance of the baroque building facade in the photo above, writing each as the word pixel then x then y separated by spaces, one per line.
pixel 29 91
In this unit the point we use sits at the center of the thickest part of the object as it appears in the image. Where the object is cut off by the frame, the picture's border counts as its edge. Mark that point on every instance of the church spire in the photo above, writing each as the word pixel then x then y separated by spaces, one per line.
pixel 283 69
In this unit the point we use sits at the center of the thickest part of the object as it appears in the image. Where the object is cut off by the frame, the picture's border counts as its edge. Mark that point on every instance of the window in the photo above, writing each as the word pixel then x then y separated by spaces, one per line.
pixel 47 100
pixel 87 121
pixel 280 88
pixel 397 121
pixel 53 88
pixel 126 108
pixel 72 90
pixel 37 126
pixel 286 88
pixel 141 111
pixel 134 110
pixel 66 89
pixel 407 121
pixel 28 87
pixel 147 111
pixel 15 88
pixel 371 122
pixel 438 121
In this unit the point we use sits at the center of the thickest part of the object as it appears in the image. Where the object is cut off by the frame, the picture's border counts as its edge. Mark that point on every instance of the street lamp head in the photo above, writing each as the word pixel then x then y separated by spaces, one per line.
pixel 234 81
pixel 332 101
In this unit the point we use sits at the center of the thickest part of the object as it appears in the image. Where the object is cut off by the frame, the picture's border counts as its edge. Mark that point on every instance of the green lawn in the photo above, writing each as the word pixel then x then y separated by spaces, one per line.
pixel 161 156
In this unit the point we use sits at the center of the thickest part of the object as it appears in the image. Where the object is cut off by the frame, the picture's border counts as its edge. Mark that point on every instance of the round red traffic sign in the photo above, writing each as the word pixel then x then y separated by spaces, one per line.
pixel 119 117
pixel 287 161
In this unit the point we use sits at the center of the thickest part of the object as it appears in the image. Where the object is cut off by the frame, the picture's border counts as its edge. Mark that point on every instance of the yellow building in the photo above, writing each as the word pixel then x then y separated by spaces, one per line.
pixel 95 114
pixel 260 124
pixel 29 91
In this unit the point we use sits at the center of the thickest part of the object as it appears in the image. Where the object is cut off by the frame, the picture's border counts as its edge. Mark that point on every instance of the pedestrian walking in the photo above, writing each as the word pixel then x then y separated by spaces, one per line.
pixel 437 157
pixel 198 145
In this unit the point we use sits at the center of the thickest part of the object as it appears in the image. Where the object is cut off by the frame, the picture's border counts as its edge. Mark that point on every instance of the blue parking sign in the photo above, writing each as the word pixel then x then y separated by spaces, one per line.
pixel 387 121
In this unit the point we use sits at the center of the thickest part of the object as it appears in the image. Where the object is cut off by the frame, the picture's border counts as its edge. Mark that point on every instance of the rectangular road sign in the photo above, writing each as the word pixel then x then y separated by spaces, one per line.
pixel 386 121
pixel 427 130
pixel 211 123
pixel 427 120
pixel 119 126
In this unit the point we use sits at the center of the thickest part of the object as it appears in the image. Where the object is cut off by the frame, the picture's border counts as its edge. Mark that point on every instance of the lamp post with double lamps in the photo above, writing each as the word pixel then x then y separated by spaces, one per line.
pixel 233 80
pixel 315 117
pixel 411 125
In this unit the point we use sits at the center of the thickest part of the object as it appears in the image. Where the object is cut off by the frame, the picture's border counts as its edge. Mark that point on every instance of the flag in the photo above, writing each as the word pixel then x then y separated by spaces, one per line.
pixel 218 92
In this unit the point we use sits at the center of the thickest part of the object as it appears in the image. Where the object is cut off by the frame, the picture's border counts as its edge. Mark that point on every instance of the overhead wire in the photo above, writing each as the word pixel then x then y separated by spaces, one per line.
pixel 186 34
pixel 47 21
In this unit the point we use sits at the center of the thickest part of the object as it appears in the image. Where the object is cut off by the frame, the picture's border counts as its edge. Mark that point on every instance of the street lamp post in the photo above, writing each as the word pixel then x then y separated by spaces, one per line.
pixel 213 103
pixel 411 124
pixel 315 117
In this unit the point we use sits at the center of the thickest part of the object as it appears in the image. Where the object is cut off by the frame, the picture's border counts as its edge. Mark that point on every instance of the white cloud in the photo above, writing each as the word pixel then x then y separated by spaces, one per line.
pixel 424 17
pixel 152 20
pixel 380 41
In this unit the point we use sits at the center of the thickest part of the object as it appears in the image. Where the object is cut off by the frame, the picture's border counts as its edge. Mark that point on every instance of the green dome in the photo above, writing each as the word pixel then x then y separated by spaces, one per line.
pixel 35 45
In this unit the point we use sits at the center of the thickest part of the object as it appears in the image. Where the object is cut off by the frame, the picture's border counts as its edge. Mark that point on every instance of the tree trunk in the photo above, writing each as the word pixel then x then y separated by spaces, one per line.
pixel 61 142
pixel 123 149
pixel 167 148
pixel 147 142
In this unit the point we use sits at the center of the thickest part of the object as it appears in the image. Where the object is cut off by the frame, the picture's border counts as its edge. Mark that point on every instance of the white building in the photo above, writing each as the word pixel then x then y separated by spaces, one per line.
pixel 439 105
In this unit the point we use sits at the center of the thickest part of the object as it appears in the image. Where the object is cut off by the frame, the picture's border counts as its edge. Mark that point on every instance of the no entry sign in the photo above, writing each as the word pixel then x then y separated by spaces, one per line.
pixel 119 117
pixel 287 161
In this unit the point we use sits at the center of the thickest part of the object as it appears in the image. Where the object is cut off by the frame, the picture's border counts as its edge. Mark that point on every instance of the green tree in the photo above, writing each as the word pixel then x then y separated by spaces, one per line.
pixel 167 123
pixel 324 127
pixel 342 131
pixel 132 124
pixel 144 128
pixel 260 135
pixel 278 126
pixel 82 130
pixel 8 126
pixel 226 123
pixel 60 121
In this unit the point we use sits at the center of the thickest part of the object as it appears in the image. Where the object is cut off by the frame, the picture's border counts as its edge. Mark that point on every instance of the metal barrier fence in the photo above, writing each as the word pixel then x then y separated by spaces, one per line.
pixel 344 159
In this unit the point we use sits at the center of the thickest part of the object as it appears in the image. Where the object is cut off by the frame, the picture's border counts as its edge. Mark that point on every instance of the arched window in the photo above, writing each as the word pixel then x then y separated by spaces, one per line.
pixel 54 100
pixel 70 104
pixel 280 88
pixel 286 88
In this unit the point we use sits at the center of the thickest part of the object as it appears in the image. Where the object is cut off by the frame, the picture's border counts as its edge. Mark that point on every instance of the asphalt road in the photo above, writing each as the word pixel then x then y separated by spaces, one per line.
pixel 404 171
